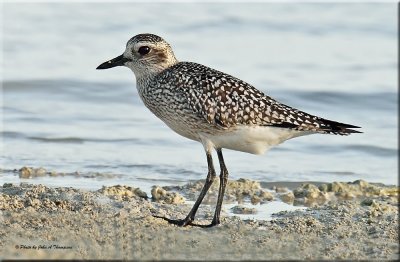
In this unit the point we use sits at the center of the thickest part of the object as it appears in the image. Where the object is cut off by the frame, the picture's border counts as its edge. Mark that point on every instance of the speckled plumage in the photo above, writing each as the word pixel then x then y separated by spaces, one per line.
pixel 226 102
pixel 212 107
pixel 204 104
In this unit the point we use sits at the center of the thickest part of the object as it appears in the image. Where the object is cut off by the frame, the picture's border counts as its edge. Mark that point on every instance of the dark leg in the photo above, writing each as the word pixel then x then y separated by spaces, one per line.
pixel 190 217
pixel 223 179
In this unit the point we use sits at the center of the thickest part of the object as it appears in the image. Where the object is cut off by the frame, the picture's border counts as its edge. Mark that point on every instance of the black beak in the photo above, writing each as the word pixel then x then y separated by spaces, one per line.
pixel 118 61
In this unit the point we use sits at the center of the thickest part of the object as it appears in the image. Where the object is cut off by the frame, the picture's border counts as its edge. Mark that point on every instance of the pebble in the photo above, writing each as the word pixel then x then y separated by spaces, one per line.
pixel 30 172
pixel 123 192
pixel 243 210
pixel 159 194
pixel 287 197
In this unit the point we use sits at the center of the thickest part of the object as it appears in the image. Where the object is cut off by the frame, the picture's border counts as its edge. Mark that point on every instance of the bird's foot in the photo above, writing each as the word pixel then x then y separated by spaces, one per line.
pixel 188 222
pixel 214 222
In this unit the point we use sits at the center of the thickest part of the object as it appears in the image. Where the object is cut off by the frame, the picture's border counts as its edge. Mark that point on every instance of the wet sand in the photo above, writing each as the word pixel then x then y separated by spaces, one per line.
pixel 349 221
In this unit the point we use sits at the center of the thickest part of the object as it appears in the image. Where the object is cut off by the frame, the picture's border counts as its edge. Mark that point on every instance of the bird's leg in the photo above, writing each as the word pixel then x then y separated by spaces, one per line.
pixel 210 178
pixel 223 179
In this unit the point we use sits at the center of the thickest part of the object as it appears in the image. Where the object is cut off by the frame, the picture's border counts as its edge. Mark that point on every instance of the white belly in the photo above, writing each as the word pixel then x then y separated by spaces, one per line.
pixel 254 140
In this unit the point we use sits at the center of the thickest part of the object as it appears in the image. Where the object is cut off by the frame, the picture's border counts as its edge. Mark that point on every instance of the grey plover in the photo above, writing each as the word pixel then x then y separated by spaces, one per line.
pixel 213 108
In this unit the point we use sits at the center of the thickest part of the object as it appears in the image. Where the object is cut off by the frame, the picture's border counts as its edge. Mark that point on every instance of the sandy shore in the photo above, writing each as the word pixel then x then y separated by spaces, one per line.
pixel 344 221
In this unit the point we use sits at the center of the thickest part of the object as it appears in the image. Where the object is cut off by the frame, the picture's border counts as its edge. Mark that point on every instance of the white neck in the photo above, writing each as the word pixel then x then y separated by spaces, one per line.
pixel 153 70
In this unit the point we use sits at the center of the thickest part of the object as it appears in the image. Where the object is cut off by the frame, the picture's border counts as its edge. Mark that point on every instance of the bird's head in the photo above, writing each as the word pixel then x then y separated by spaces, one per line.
pixel 145 54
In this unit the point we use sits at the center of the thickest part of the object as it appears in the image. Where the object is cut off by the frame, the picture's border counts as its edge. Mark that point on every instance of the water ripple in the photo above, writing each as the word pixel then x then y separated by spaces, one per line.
pixel 366 149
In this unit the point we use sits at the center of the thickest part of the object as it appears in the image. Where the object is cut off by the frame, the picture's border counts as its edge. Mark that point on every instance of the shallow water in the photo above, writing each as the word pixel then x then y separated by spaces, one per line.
pixel 333 60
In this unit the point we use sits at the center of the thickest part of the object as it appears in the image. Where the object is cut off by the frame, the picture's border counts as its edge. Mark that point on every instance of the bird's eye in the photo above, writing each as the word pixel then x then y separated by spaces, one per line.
pixel 143 50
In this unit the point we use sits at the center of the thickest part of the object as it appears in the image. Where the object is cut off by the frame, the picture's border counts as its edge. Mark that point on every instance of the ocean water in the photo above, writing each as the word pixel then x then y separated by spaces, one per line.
pixel 338 61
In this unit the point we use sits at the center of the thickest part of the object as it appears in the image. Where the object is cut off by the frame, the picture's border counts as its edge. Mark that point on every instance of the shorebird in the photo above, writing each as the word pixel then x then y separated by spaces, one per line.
pixel 213 108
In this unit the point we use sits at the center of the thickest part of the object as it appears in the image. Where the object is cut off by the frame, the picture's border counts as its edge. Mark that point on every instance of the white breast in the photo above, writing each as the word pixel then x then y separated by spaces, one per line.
pixel 254 140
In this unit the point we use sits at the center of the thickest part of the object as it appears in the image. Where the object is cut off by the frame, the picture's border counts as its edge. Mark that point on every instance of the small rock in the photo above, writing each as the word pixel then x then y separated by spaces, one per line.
pixel 309 191
pixel 29 172
pixel 323 188
pixel 367 202
pixel 25 172
pixel 243 210
pixel 346 195
pixel 266 196
pixel 159 194
pixel 361 183
pixel 53 173
pixel 123 191
pixel 255 200
pixel 287 197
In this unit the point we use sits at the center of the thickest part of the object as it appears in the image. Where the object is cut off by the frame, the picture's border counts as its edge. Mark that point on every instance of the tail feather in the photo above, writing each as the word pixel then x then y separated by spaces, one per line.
pixel 334 127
